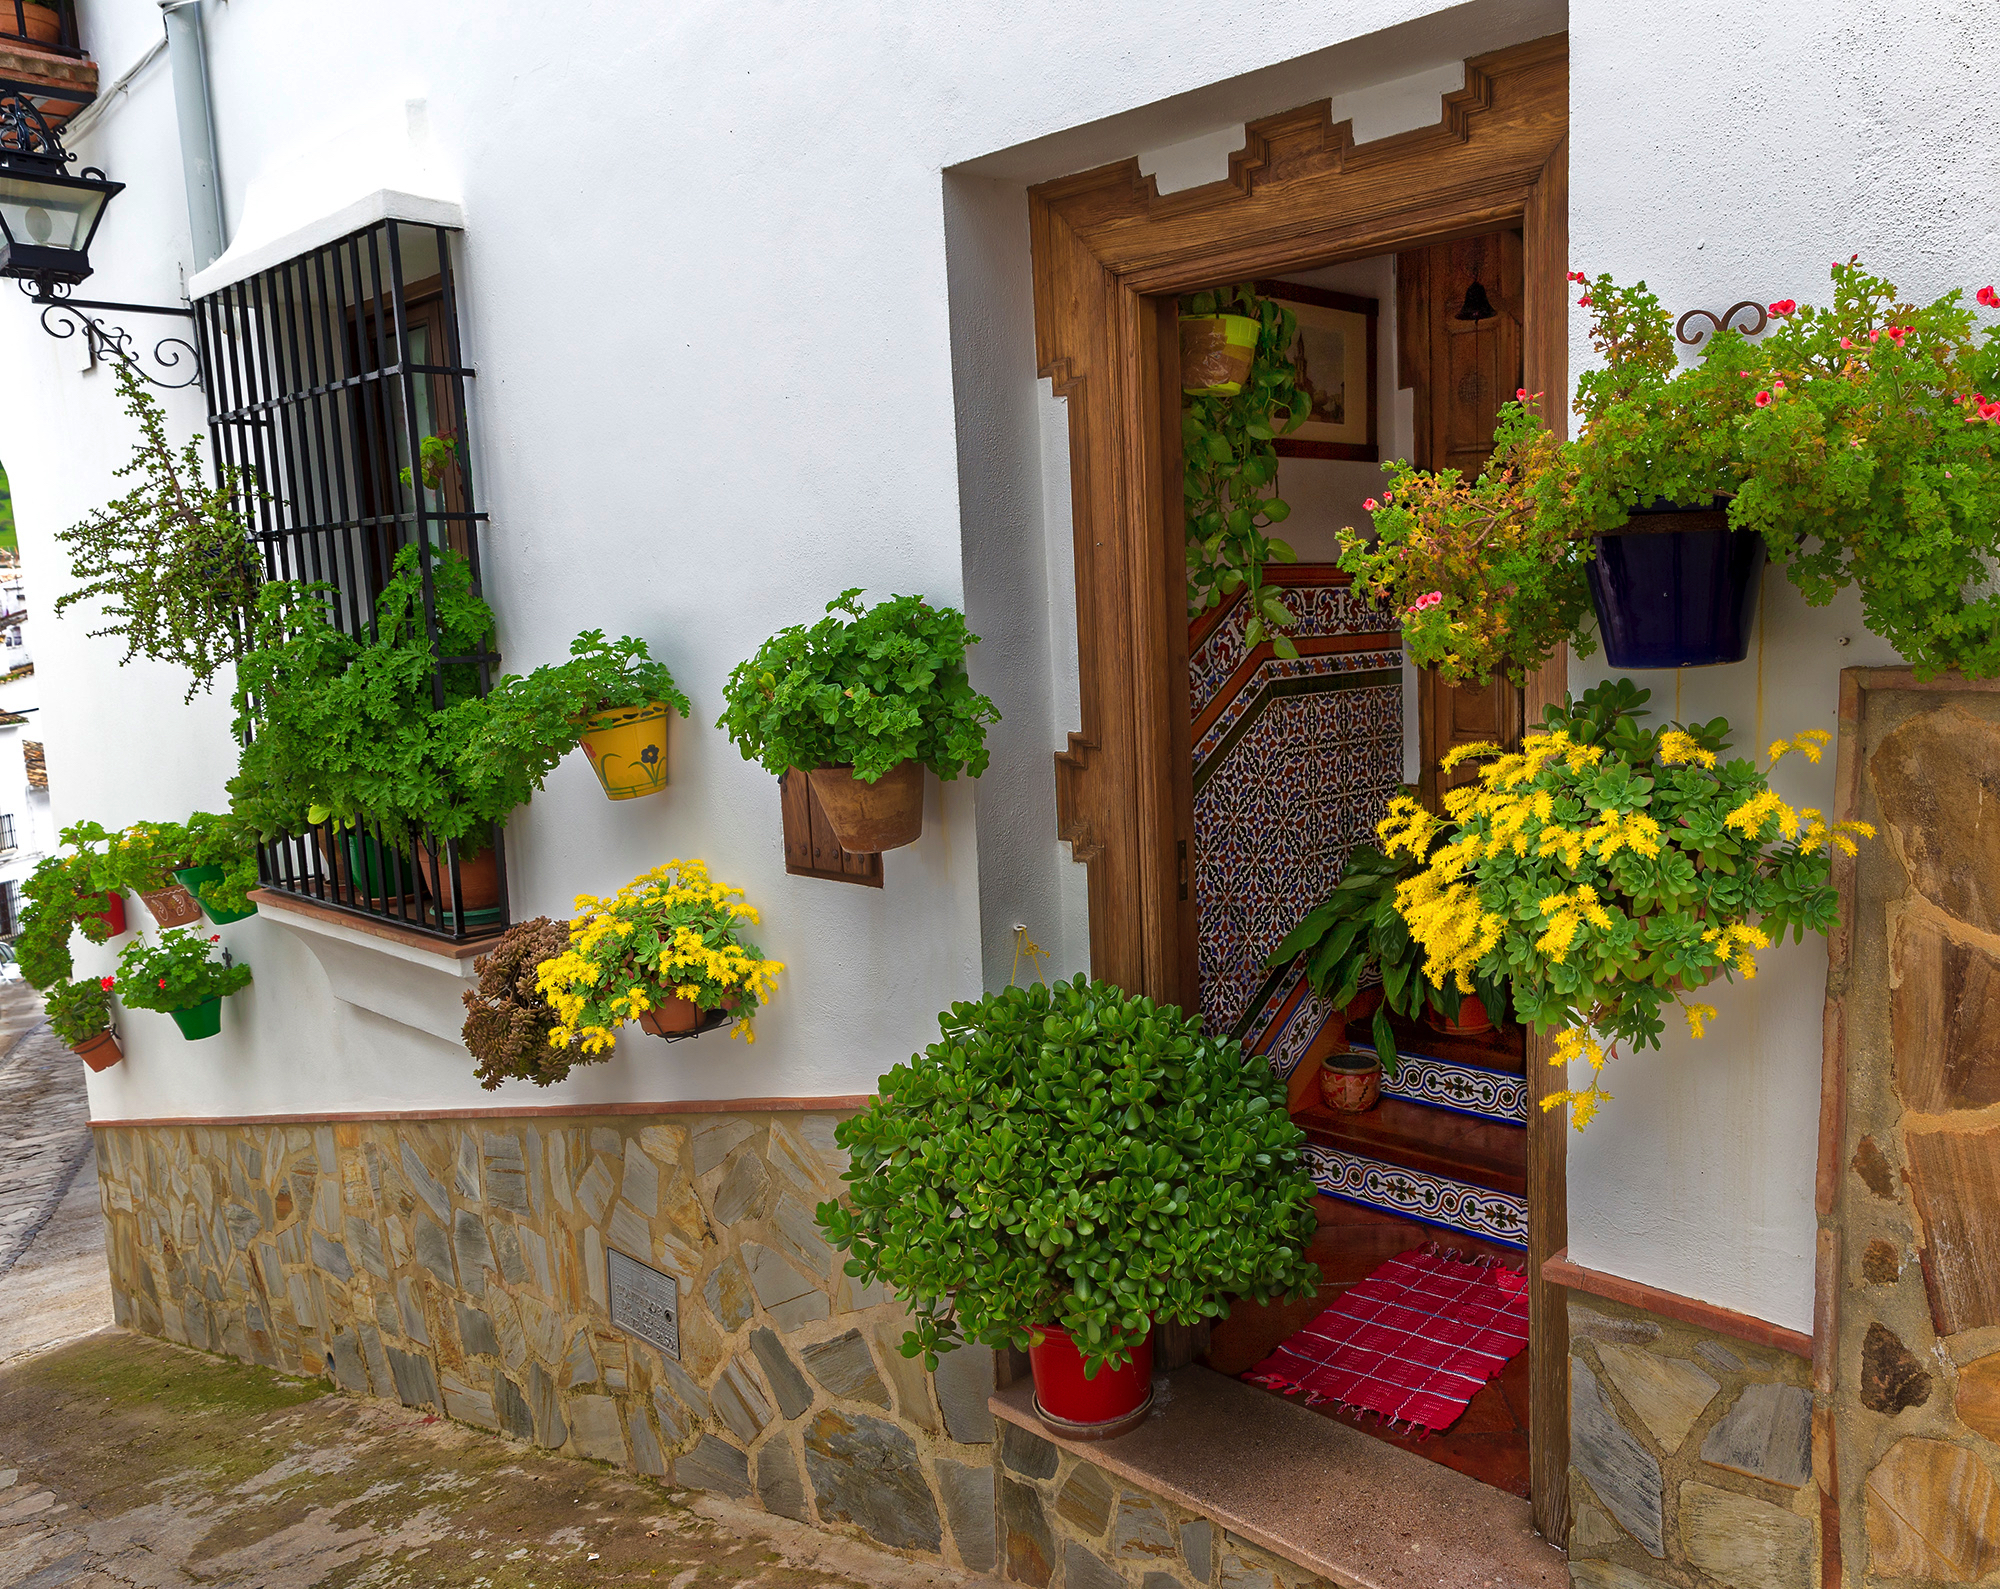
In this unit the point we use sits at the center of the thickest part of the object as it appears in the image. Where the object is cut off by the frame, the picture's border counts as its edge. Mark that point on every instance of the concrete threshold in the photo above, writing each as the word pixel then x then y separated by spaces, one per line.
pixel 1355 1510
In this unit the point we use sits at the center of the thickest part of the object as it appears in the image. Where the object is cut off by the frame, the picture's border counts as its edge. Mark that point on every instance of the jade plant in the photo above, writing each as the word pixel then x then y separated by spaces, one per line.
pixel 178 972
pixel 1608 871
pixel 1078 1157
pixel 508 1019
pixel 866 687
pixel 79 1010
pixel 170 561
pixel 392 729
pixel 1230 469
pixel 1860 440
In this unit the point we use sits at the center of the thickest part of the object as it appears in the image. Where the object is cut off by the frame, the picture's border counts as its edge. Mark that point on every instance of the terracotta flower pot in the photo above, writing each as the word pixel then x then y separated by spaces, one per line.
pixel 1472 1019
pixel 675 1017
pixel 1351 1082
pixel 43 23
pixel 478 880
pixel 627 747
pixel 1098 1408
pixel 868 818
pixel 1217 351
pixel 100 1052
pixel 173 907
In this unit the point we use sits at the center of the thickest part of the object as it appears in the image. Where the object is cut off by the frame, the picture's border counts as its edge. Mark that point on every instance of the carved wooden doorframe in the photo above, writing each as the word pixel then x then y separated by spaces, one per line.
pixel 1109 256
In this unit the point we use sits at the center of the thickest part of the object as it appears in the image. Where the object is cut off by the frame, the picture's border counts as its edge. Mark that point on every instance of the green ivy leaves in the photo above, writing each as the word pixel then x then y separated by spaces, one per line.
pixel 1079 1157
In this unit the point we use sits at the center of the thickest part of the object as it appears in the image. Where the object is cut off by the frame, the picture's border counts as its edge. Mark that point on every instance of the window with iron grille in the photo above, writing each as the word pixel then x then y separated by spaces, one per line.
pixel 325 376
pixel 10 904
pixel 6 832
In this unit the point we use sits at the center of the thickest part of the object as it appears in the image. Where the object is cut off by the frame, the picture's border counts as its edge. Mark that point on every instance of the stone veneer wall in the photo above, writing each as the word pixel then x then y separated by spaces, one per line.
pixel 460 1265
pixel 1910 1167
pixel 1690 1457
pixel 1066 1523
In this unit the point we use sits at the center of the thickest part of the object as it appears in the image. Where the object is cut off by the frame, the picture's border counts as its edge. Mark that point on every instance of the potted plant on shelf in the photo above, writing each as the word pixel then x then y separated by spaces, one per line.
pixel 1607 870
pixel 1357 929
pixel 1219 331
pixel 666 950
pixel 863 701
pixel 1855 444
pixel 181 976
pixel 508 1018
pixel 1065 1166
pixel 80 1016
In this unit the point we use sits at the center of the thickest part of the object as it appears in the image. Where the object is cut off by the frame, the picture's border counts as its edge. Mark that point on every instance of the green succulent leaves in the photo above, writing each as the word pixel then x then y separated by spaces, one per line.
pixel 1076 1156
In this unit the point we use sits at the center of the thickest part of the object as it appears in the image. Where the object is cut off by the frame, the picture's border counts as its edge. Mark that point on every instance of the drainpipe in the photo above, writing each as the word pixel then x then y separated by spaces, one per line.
pixel 188 61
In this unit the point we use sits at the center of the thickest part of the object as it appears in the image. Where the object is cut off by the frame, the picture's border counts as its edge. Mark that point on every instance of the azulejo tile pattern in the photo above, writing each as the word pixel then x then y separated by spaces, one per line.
pixel 1433 1199
pixel 1467 1089
pixel 1325 609
pixel 1280 673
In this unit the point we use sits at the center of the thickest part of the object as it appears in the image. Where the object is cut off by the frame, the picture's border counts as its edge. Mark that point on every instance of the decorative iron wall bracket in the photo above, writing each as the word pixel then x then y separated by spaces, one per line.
pixel 1691 334
pixel 173 356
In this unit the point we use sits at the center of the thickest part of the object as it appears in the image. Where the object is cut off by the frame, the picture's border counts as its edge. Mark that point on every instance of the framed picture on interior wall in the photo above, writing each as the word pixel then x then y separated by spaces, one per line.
pixel 1335 355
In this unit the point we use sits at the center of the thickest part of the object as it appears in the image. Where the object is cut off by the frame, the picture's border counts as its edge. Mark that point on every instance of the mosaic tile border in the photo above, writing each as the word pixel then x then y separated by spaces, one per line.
pixel 1428 1199
pixel 1324 610
pixel 1462 1089
pixel 1277 671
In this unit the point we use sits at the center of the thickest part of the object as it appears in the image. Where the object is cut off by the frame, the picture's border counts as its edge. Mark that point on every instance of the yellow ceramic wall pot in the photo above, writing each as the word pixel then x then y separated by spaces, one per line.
pixel 628 749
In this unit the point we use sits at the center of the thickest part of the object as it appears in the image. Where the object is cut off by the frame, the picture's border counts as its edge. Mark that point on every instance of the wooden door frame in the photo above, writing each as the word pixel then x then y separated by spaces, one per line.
pixel 1109 255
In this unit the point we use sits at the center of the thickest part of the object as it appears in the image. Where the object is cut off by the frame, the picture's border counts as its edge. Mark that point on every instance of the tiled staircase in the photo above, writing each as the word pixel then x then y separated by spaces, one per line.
pixel 1447 1145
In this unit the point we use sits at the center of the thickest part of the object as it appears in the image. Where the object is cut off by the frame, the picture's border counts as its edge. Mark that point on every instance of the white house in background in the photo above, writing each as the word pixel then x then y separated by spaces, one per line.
pixel 731 308
pixel 27 831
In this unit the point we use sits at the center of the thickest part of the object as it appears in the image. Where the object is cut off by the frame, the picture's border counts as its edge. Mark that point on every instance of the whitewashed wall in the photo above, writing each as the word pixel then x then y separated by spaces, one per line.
pixel 746 287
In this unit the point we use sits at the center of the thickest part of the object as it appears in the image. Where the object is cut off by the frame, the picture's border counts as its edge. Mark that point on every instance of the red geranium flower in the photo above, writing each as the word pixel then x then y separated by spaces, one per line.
pixel 1371 505
pixel 1583 302
pixel 1784 306
pixel 215 937
pixel 1520 394
pixel 1577 275
pixel 1988 297
pixel 107 983
pixel 1763 399
pixel 163 981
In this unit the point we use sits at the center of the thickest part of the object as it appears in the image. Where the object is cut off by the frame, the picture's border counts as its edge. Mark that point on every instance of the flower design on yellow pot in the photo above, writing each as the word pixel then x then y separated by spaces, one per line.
pixel 628 749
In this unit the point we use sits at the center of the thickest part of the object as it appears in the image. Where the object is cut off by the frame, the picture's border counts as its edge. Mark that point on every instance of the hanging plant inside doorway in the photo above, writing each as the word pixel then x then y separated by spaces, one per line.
pixel 1230 466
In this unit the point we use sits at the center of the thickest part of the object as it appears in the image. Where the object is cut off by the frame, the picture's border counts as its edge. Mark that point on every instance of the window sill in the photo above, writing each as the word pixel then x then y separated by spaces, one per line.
pixel 1352 1509
pixel 403 976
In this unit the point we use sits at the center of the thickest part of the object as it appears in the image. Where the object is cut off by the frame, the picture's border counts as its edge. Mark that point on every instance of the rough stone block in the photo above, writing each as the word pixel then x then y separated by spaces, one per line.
pixel 469 1403
pixel 714 1464
pixel 594 1428
pixel 1745 1542
pixel 1978 1399
pixel 475 1333
pixel 1144 1530
pixel 1872 1166
pixel 516 1418
pixel 1892 1379
pixel 1082 1569
pixel 345 1350
pixel 739 1403
pixel 646 1454
pixel 535 1252
pixel 866 1471
pixel 1608 1575
pixel 473 1251
pixel 629 1232
pixel 684 1387
pixel 507 1252
pixel 1933 1513
pixel 968 1508
pixel 787 1383
pixel 640 1185
pixel 1198 1547
pixel 1160 1580
pixel 545 1402
pixel 800 1233
pixel 788 1296
pixel 1588 1324
pixel 1030 1544
pixel 1086 1499
pixel 331 1256
pixel 1027 1454
pixel 1668 1393
pixel 743 1192
pixel 1624 1475
pixel 1881 1263
pixel 913 1385
pixel 664 1144
pixel 727 1293
pixel 779 1487
pixel 1945 1019
pixel 416 1385
pixel 594 1191
pixel 1955 1179
pixel 714 1138
pixel 964 1381
pixel 425 1185
pixel 844 1366
pixel 677 1420
pixel 506 1171
pixel 1928 774
pixel 582 1361
pixel 1766 1434
pixel 1718 1357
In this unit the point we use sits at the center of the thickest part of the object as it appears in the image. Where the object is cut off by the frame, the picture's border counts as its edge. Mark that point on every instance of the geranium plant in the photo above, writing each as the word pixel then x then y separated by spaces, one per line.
pixel 1078 1157
pixel 671 933
pixel 60 893
pixel 508 1017
pixel 180 971
pixel 866 687
pixel 1861 440
pixel 144 857
pixel 79 1010
pixel 1608 870
pixel 1229 462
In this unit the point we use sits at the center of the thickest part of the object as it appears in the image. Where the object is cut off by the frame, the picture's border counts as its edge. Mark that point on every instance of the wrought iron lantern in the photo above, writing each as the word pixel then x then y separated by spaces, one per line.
pixel 47 216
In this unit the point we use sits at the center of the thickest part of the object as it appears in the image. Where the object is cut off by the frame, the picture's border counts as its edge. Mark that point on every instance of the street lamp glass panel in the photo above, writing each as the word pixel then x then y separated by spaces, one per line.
pixel 45 215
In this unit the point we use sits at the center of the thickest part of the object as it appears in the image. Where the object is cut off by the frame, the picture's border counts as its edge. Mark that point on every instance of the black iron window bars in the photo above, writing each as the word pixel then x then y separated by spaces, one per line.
pixel 326 375
pixel 20 19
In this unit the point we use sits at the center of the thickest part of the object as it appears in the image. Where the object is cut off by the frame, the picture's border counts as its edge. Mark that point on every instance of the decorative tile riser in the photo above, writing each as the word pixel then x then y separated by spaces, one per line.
pixel 1429 1199
pixel 461 1265
pixel 1462 1089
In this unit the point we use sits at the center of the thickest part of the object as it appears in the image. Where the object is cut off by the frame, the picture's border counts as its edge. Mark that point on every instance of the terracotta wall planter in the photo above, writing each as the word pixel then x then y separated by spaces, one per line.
pixel 100 1052
pixel 173 907
pixel 43 23
pixel 869 818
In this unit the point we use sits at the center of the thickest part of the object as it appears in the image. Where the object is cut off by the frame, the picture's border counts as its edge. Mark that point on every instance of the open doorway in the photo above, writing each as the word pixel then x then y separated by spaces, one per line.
pixel 1306 210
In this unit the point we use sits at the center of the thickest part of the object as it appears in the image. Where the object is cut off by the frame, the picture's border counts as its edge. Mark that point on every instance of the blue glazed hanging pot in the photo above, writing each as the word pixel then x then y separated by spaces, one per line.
pixel 1676 588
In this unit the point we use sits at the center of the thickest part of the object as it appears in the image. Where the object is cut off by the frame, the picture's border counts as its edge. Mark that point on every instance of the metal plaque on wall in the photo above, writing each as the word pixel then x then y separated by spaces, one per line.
pixel 646 1303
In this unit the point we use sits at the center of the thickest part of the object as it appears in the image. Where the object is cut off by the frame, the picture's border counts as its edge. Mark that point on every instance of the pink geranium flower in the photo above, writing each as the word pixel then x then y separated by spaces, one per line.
pixel 1371 505
pixel 1988 297
pixel 1763 399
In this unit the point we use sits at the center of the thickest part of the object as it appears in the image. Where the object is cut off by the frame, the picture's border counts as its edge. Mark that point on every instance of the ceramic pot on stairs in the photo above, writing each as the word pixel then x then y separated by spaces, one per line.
pixel 1351 1082
pixel 1110 1403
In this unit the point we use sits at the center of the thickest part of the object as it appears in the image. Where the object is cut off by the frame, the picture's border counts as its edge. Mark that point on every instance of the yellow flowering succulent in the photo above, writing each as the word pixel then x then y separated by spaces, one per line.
pixel 1606 871
pixel 670 933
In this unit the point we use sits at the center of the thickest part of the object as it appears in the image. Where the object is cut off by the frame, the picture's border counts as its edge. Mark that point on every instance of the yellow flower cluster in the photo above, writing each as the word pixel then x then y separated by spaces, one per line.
pixel 682 905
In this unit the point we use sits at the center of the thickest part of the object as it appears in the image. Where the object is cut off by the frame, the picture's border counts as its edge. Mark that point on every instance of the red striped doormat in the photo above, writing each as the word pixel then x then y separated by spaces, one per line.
pixel 1412 1343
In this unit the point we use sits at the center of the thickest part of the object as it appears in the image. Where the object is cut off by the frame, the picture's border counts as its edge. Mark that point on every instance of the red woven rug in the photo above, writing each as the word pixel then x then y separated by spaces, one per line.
pixel 1412 1343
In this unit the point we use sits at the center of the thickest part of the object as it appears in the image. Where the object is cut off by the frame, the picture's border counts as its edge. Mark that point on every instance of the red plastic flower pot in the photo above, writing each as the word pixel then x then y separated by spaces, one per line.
pixel 112 911
pixel 1062 1392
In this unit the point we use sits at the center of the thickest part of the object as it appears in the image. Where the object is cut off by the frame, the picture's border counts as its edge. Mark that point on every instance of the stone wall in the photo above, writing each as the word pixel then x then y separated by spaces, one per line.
pixel 1910 1167
pixel 1690 1457
pixel 461 1265
pixel 1066 1523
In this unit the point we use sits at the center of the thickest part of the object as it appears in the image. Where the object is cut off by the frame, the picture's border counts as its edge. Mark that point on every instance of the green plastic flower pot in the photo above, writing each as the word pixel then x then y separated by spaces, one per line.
pixel 197 1021
pixel 196 880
